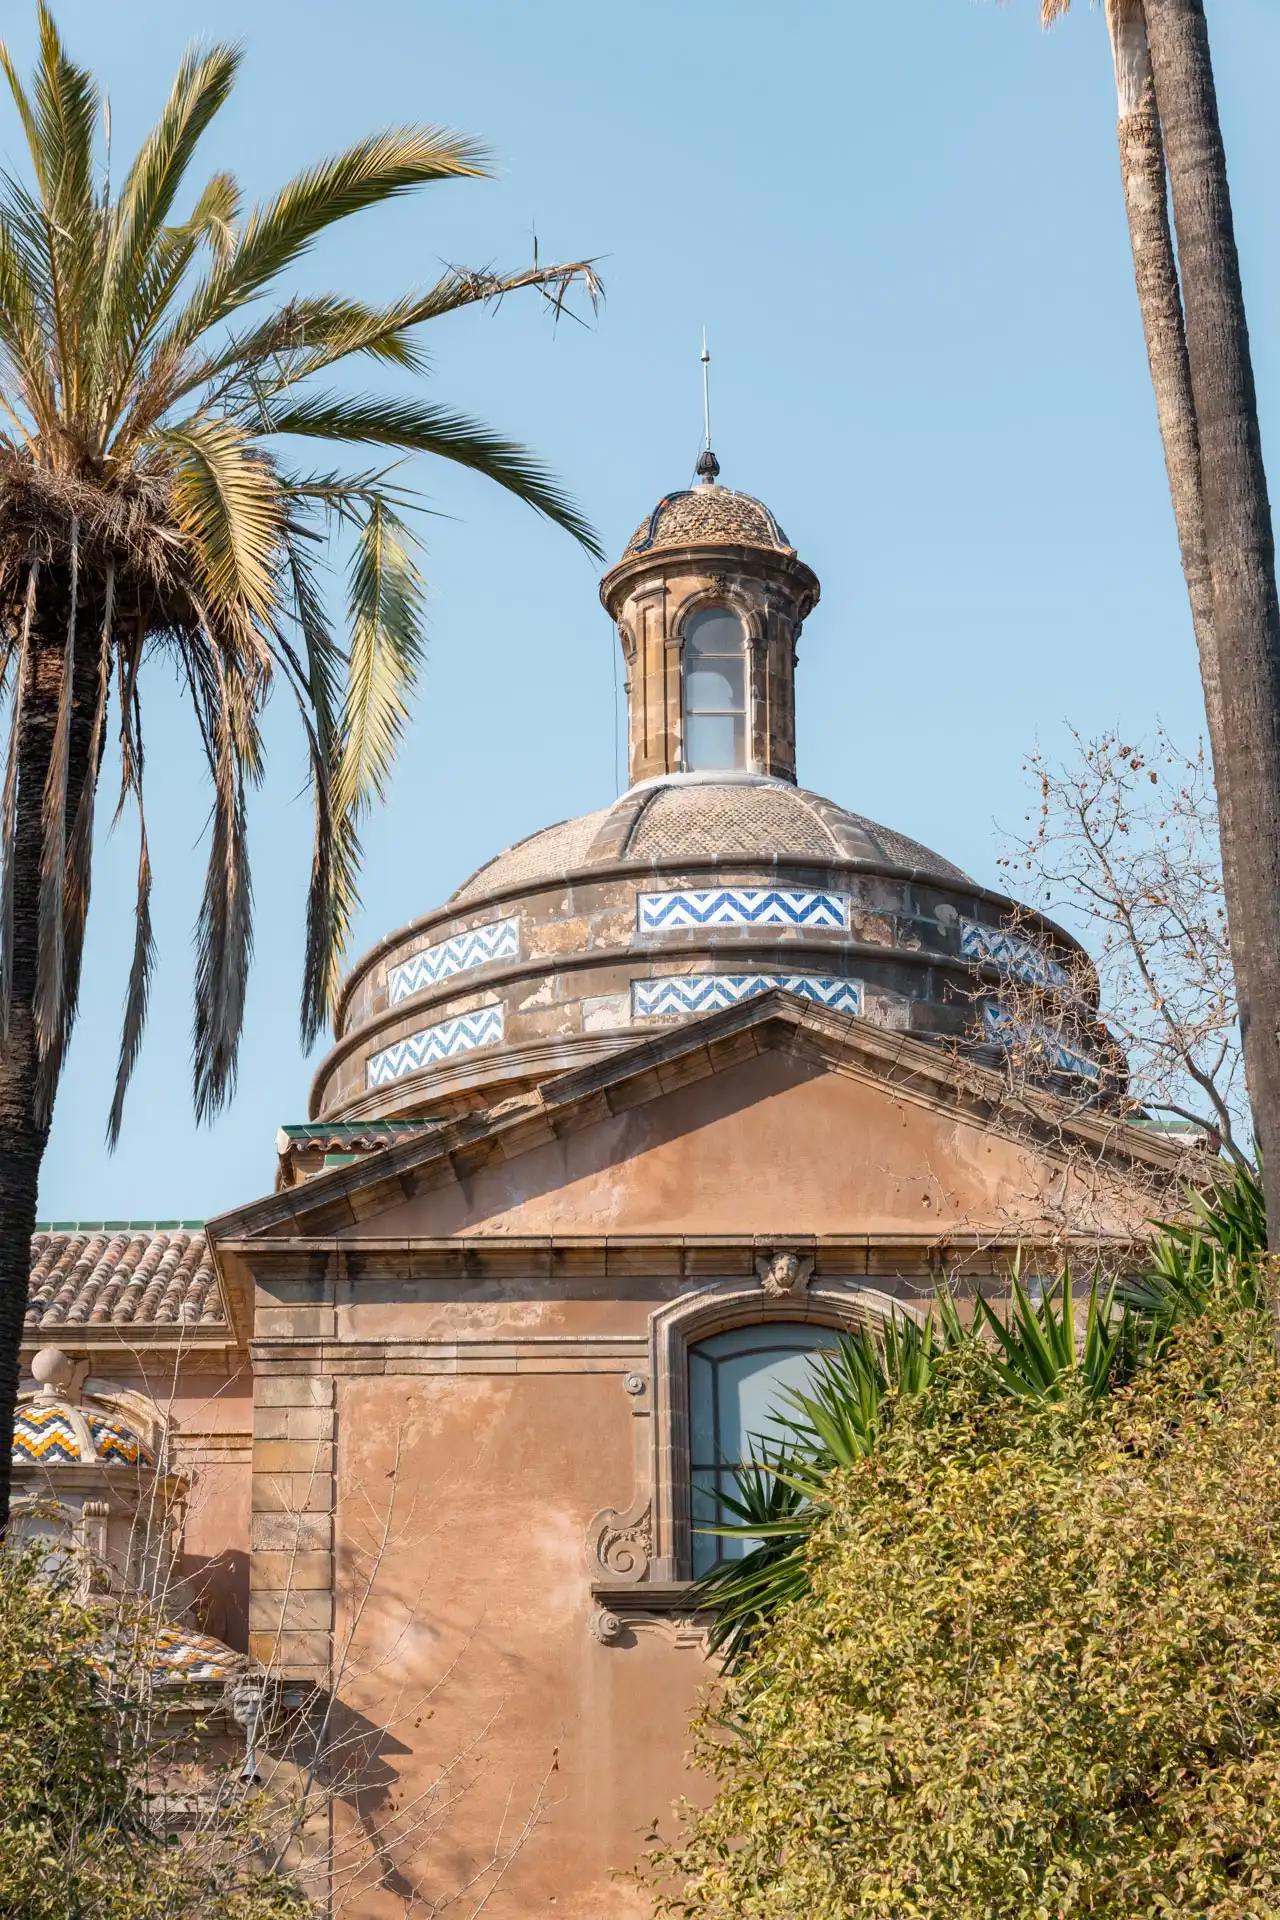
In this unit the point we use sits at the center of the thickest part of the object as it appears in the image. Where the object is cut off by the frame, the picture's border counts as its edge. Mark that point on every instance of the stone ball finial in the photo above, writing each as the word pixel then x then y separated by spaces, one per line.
pixel 53 1370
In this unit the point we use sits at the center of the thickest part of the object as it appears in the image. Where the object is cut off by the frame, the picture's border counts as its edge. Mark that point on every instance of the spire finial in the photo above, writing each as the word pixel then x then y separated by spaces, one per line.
pixel 708 466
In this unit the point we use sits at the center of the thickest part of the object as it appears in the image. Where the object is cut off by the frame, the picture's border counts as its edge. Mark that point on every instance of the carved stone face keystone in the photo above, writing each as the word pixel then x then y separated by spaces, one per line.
pixel 784 1274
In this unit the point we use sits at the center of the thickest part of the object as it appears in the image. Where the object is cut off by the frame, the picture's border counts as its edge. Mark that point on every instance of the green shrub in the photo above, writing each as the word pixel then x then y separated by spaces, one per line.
pixel 82 1755
pixel 1037 1672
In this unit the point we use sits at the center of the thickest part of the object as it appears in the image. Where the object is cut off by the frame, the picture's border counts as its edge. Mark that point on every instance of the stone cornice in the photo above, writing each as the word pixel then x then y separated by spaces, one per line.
pixel 915 1070
pixel 708 556
pixel 568 1259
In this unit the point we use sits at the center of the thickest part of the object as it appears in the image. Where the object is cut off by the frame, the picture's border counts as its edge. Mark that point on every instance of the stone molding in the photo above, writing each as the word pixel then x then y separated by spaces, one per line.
pixel 623 1612
pixel 640 1556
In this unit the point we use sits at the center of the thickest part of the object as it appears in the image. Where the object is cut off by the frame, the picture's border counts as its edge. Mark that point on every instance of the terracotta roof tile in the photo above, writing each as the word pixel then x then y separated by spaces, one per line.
pixel 122 1276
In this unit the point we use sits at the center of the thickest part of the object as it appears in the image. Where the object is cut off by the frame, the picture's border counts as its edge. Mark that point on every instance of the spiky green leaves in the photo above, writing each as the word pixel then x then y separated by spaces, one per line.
pixel 437 430
pixel 277 233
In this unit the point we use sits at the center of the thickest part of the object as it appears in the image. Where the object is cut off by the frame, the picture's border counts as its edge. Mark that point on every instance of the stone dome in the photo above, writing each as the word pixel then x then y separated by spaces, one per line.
pixel 687 894
pixel 693 817
pixel 707 515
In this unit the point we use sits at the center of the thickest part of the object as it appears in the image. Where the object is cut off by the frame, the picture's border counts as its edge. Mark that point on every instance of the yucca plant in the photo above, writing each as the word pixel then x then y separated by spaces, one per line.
pixel 1215 1254
pixel 1039 1355
pixel 154 504
pixel 780 1495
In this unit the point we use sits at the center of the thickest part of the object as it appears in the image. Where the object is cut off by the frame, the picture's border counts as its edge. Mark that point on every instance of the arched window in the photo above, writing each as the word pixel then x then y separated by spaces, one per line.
pixel 715 692
pixel 736 1382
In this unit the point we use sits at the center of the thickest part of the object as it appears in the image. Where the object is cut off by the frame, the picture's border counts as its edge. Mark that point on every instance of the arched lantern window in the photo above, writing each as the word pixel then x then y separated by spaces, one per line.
pixel 715 692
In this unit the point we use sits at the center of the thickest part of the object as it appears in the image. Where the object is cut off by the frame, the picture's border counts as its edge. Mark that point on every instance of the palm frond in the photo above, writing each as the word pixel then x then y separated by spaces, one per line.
pixel 22 336
pixel 216 214
pixel 60 125
pixel 332 895
pixel 139 217
pixel 406 424
pixel 224 928
pixel 383 331
pixel 49 1003
pixel 226 498
pixel 200 89
pixel 277 234
pixel 388 639
pixel 8 801
pixel 138 991
pixel 80 840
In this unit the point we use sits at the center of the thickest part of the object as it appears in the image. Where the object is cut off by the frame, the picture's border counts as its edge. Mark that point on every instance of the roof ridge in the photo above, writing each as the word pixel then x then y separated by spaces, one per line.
pixel 118 1226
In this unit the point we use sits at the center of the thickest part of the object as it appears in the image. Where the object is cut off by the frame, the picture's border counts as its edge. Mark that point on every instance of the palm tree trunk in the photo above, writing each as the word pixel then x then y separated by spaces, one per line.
pixel 1146 199
pixel 24 1104
pixel 1239 544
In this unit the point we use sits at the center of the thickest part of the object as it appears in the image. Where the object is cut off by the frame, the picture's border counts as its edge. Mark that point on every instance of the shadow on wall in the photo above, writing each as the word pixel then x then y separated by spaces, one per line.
pixel 216 1590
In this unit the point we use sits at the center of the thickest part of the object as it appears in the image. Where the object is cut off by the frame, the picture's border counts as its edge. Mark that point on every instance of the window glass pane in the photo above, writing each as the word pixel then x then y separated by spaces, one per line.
pixel 702 1419
pixel 751 1388
pixel 715 631
pixel 707 1547
pixel 715 692
pixel 714 741
pixel 714 685
pixel 794 1336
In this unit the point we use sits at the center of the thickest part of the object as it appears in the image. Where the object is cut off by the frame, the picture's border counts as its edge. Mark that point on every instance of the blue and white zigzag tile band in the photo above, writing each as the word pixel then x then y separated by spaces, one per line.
pixel 497 940
pixel 1006 1031
pixel 483 1028
pixel 1022 958
pixel 742 907
pixel 679 993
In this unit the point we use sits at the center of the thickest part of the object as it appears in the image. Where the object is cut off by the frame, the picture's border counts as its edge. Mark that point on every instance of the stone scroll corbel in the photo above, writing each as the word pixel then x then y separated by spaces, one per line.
pixel 620 1539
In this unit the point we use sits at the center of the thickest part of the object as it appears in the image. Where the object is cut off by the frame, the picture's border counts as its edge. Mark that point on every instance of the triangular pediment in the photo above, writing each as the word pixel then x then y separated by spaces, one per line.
pixel 772 1117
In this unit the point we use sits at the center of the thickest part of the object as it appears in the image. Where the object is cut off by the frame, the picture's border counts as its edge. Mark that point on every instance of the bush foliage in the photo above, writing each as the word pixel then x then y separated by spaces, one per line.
pixel 1033 1668
pixel 1038 1673
pixel 83 1834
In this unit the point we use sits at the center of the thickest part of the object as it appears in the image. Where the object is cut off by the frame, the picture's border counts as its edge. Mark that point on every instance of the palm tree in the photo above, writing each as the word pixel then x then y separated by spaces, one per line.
pixel 153 502
pixel 1198 347
pixel 1146 199
pixel 1239 543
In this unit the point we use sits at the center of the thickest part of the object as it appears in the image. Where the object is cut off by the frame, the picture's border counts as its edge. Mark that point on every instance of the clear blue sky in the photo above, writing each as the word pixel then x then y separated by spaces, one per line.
pixel 902 226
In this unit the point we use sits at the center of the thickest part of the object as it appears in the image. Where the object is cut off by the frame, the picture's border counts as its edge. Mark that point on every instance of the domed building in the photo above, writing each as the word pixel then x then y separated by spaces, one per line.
pixel 607 1145
pixel 714 878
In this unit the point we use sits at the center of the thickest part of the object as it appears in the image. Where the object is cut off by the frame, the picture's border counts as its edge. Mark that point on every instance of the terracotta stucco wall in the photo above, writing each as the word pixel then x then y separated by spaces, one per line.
pixel 476 1645
pixel 774 1143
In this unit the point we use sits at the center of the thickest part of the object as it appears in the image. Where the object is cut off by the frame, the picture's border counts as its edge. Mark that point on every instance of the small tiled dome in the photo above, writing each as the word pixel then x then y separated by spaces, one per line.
pixel 179 1653
pixel 708 515
pixel 51 1433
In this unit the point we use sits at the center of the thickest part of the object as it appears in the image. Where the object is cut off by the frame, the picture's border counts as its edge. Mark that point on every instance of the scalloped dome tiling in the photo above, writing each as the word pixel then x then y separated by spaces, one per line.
pixel 707 516
pixel 699 819
pixel 49 1433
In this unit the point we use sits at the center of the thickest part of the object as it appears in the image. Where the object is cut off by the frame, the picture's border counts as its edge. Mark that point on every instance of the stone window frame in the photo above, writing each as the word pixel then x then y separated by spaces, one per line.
pixel 720 596
pixel 844 1305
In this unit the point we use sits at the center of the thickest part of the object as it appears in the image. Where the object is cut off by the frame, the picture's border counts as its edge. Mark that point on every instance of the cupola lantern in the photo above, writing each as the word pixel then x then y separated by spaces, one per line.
pixel 708 600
